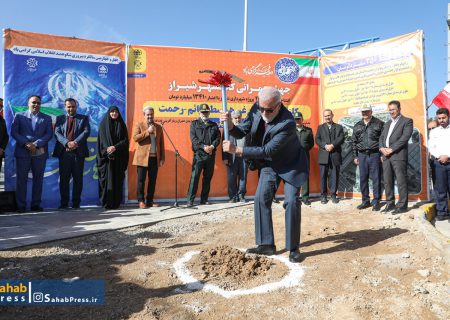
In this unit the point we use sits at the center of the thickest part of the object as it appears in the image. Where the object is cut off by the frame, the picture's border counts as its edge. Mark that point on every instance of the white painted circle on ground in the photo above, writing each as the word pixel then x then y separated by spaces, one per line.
pixel 292 279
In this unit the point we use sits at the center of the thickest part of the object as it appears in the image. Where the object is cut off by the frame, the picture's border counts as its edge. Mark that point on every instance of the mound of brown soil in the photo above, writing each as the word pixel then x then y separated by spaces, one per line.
pixel 232 269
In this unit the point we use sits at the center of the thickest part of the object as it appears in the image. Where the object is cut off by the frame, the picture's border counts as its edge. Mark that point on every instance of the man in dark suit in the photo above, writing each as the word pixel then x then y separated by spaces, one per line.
pixel 306 138
pixel 32 131
pixel 394 156
pixel 236 166
pixel 277 151
pixel 4 137
pixel 71 133
pixel 329 138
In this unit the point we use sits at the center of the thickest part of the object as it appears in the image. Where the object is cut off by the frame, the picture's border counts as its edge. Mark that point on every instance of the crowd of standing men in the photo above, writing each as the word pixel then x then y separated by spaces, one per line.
pixel 270 140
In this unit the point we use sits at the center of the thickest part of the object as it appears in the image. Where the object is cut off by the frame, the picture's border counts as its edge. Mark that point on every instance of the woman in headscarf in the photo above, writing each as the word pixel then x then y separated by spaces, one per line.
pixel 112 158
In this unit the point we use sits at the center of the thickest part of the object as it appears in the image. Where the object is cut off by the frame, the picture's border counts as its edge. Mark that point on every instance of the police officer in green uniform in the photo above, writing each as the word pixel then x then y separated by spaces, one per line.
pixel 305 135
pixel 205 137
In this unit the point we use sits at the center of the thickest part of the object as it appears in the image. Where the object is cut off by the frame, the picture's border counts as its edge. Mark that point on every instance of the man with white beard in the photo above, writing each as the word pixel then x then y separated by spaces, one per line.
pixel 274 149
pixel 205 138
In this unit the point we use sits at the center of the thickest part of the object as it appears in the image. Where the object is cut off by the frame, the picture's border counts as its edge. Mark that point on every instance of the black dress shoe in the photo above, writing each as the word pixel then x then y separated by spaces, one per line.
pixel 442 217
pixel 399 210
pixel 75 206
pixel 307 202
pixel 21 210
pixel 363 205
pixel 63 207
pixel 205 203
pixel 389 207
pixel 334 199
pixel 376 207
pixel 37 209
pixel 295 257
pixel 267 250
pixel 323 200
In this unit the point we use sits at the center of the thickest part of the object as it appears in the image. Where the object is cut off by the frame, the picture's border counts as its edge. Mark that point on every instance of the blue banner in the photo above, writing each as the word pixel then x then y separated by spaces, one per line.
pixel 96 81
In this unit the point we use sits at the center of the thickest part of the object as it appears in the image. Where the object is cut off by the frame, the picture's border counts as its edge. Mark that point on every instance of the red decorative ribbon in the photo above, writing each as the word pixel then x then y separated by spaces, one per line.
pixel 218 78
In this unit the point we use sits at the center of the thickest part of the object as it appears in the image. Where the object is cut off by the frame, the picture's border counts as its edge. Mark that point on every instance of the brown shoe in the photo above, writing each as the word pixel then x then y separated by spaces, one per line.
pixel 142 205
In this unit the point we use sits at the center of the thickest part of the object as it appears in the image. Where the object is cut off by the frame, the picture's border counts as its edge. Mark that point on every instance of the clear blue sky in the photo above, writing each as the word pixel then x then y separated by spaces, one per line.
pixel 273 26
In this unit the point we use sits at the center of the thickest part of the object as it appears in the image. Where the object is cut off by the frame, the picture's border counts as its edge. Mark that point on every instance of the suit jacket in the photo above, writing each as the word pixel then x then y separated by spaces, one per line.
pixel 280 147
pixel 144 142
pixel 336 138
pixel 398 141
pixel 22 131
pixel 4 137
pixel 82 131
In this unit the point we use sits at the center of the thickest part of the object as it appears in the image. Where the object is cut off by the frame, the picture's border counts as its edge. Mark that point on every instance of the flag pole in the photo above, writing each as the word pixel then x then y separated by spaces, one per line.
pixel 244 47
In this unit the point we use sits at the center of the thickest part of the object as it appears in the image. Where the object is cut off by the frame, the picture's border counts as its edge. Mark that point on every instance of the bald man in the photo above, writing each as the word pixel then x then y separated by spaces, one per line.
pixel 276 151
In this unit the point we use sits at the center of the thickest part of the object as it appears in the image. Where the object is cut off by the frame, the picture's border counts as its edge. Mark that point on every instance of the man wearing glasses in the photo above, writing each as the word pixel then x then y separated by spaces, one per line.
pixel 32 131
pixel 205 138
pixel 274 143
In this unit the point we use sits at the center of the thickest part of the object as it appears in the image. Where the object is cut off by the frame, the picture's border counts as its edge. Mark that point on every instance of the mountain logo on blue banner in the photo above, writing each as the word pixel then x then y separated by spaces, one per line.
pixel 102 71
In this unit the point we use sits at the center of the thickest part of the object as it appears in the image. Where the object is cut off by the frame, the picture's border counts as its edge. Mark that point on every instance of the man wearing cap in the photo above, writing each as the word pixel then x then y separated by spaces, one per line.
pixel 366 155
pixel 149 155
pixel 329 138
pixel 205 137
pixel 274 144
pixel 236 165
pixel 393 145
pixel 306 138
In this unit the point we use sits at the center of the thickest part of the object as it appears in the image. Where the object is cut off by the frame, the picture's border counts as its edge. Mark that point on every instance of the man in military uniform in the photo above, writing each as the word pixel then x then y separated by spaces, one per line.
pixel 205 137
pixel 306 138
pixel 366 155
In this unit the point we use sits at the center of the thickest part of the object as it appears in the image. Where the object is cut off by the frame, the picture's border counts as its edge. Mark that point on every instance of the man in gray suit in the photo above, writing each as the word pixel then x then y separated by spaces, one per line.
pixel 276 151
pixel 71 132
pixel 394 155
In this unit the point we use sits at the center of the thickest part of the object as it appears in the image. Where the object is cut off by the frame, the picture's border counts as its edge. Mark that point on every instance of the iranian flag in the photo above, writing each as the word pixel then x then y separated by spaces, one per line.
pixel 309 71
pixel 442 100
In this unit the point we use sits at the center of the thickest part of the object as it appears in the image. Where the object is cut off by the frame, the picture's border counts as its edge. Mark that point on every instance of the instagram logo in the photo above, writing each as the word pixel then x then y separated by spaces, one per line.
pixel 38 297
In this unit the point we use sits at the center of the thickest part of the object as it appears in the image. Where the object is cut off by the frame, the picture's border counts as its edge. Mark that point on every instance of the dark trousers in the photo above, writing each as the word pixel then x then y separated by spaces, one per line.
pixel 152 171
pixel 23 166
pixel 237 178
pixel 305 186
pixel 333 171
pixel 70 166
pixel 267 186
pixel 441 187
pixel 205 163
pixel 370 166
pixel 395 169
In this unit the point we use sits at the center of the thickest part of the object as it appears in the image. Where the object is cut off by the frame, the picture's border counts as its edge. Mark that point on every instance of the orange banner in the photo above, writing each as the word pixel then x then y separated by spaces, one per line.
pixel 376 74
pixel 167 79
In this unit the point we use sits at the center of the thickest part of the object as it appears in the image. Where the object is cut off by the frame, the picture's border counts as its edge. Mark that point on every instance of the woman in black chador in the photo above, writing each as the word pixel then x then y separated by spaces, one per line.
pixel 112 158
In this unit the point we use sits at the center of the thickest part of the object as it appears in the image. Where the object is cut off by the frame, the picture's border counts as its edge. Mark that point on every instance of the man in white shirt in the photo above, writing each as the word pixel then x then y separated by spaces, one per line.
pixel 439 147
pixel 394 156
